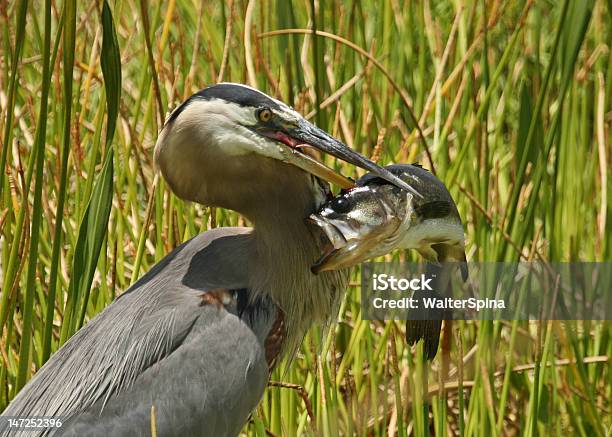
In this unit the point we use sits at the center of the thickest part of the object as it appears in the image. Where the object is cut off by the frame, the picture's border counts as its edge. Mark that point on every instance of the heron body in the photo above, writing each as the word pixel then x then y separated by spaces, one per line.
pixel 195 337
pixel 161 324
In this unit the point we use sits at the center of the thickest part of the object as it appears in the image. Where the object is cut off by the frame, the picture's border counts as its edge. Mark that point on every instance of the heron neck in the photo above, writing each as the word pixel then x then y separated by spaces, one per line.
pixel 283 252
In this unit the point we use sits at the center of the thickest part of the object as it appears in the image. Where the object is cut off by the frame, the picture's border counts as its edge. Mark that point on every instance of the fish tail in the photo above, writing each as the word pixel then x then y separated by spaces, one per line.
pixel 426 330
pixel 426 324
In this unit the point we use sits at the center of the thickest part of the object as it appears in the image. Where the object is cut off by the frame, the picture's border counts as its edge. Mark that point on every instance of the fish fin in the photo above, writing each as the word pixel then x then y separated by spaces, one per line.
pixel 433 210
pixel 428 253
pixel 453 253
pixel 464 271
pixel 459 255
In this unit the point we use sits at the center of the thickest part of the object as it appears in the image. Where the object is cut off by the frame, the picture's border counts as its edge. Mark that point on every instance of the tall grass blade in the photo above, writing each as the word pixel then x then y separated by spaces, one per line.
pixel 95 219
pixel 69 38
pixel 39 152
pixel 16 58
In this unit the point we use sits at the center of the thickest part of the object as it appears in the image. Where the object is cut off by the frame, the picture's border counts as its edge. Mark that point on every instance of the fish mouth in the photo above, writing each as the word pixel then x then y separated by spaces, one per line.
pixel 338 252
pixel 335 259
pixel 329 239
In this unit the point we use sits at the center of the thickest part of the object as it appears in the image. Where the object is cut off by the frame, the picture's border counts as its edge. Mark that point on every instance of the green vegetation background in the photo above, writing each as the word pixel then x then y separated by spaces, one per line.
pixel 513 104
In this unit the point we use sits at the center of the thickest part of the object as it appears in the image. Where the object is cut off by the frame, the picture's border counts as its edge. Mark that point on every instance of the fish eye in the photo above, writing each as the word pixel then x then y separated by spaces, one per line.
pixel 342 204
pixel 264 115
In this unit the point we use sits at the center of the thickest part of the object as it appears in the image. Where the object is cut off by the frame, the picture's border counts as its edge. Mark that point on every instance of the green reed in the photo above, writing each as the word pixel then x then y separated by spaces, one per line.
pixel 512 98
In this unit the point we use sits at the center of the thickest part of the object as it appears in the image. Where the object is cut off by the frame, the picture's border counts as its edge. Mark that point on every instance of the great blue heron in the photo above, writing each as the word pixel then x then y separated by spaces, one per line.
pixel 197 335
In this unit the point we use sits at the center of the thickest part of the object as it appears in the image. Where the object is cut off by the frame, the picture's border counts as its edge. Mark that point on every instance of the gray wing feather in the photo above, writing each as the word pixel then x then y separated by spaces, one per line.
pixel 151 324
pixel 210 383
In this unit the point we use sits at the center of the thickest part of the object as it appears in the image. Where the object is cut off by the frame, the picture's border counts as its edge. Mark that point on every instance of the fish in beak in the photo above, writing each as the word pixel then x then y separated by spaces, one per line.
pixel 376 217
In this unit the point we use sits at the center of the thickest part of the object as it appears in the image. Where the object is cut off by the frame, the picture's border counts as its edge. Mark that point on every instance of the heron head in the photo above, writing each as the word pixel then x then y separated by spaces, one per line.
pixel 230 134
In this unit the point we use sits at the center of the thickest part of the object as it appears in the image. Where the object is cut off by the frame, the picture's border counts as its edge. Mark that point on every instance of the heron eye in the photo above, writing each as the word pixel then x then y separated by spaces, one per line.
pixel 264 115
pixel 342 204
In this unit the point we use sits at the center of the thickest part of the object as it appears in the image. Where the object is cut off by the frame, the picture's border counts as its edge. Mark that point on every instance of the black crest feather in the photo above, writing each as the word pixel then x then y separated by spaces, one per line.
pixel 230 92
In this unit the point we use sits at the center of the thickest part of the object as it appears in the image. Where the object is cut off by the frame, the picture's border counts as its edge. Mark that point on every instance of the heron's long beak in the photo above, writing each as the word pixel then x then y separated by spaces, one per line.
pixel 312 166
pixel 307 133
